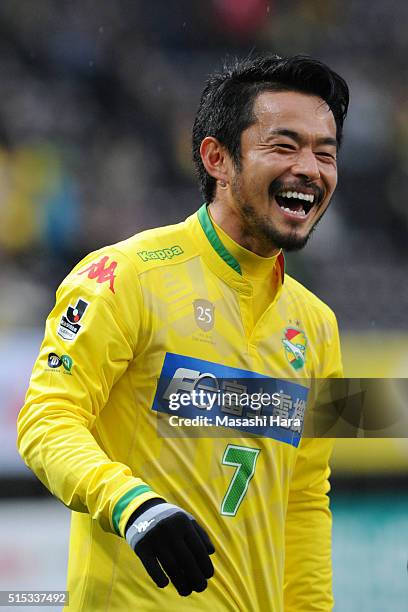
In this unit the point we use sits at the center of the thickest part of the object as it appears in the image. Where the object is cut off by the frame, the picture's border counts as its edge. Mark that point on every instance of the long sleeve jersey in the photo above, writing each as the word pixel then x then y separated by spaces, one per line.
pixel 134 325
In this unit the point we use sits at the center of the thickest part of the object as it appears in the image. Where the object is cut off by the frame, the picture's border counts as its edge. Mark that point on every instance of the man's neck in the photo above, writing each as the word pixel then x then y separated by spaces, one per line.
pixel 228 218
pixel 253 266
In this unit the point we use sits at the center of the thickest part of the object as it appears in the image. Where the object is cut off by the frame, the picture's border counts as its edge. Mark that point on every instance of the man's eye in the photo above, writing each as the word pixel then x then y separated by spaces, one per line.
pixel 326 155
pixel 284 145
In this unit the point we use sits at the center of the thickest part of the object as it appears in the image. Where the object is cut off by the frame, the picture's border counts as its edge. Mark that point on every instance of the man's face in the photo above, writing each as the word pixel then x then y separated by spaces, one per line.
pixel 288 169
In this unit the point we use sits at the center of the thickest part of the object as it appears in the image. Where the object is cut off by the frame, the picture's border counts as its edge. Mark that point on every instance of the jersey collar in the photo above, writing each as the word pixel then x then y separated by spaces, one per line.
pixel 221 260
pixel 213 238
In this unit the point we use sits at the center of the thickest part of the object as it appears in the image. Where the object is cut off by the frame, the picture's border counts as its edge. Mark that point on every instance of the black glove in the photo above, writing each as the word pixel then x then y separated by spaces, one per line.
pixel 162 534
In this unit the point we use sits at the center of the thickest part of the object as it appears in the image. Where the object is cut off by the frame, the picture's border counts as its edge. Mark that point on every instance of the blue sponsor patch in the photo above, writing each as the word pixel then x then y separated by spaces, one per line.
pixel 231 397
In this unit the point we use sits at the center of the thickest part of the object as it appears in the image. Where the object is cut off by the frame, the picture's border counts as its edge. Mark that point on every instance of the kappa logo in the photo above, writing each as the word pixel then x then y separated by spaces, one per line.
pixel 295 342
pixel 143 525
pixel 69 326
pixel 161 254
pixel 101 272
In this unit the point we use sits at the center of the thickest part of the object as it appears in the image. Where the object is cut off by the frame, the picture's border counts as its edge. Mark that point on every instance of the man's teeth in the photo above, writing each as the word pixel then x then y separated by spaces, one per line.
pixel 301 212
pixel 309 197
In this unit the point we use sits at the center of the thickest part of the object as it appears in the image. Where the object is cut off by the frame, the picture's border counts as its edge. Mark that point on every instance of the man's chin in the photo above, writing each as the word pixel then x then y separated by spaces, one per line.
pixel 288 241
pixel 294 244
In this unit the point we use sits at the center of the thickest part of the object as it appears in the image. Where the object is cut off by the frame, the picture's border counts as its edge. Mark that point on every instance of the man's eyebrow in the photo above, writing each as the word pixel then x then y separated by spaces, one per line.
pixel 327 140
pixel 285 132
pixel 324 140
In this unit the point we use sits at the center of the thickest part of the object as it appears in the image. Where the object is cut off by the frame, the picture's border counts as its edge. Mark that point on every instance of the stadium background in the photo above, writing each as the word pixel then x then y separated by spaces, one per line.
pixel 97 102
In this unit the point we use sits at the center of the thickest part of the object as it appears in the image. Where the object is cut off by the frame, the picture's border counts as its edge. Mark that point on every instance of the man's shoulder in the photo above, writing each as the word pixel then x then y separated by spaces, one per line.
pixel 104 269
pixel 308 299
pixel 164 245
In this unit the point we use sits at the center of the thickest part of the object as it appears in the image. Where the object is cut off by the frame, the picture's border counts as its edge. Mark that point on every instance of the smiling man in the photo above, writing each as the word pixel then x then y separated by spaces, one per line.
pixel 238 520
pixel 286 176
pixel 276 182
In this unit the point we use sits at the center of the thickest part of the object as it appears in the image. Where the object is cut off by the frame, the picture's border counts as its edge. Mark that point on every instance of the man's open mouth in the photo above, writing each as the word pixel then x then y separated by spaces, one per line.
pixel 295 202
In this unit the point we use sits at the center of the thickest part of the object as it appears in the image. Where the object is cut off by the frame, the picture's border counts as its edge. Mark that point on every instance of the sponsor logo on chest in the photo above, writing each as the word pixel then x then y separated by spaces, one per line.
pixel 214 395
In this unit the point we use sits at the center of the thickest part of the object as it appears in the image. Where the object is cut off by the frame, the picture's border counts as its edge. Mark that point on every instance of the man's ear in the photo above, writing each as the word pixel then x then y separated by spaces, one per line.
pixel 216 159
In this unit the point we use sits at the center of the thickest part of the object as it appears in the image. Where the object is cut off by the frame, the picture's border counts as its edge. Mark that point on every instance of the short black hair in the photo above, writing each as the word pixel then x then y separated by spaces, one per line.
pixel 227 101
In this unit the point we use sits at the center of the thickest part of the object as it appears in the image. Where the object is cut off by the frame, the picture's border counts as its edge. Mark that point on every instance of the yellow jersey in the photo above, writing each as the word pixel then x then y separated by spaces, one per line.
pixel 135 324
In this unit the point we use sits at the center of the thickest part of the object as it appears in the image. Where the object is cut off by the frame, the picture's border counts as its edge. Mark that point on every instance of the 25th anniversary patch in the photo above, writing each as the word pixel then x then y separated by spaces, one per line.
pixel 69 325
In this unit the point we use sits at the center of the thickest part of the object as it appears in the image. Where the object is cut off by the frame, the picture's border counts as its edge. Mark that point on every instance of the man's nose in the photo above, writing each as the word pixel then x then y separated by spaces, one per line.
pixel 306 165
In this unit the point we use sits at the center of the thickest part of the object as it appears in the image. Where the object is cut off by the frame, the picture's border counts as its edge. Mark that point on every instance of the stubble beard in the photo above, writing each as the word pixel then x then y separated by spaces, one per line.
pixel 260 230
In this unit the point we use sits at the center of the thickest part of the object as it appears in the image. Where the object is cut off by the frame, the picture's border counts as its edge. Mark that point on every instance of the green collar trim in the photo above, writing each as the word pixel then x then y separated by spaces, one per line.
pixel 281 261
pixel 214 240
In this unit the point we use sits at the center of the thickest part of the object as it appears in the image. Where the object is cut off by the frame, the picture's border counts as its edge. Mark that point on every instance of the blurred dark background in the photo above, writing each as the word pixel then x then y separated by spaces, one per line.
pixel 96 108
pixel 97 102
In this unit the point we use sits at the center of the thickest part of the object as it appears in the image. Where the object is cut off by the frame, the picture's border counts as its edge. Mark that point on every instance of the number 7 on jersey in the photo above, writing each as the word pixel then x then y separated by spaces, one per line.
pixel 243 459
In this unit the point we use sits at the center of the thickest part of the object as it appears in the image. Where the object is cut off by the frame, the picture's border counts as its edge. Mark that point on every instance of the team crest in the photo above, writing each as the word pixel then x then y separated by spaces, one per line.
pixel 295 342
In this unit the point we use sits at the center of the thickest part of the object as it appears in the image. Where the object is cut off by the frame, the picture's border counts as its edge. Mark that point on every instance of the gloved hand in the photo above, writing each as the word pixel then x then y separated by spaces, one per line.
pixel 163 533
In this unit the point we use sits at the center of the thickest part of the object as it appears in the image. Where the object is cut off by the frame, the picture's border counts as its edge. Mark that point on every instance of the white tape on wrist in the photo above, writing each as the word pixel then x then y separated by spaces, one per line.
pixel 149 519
